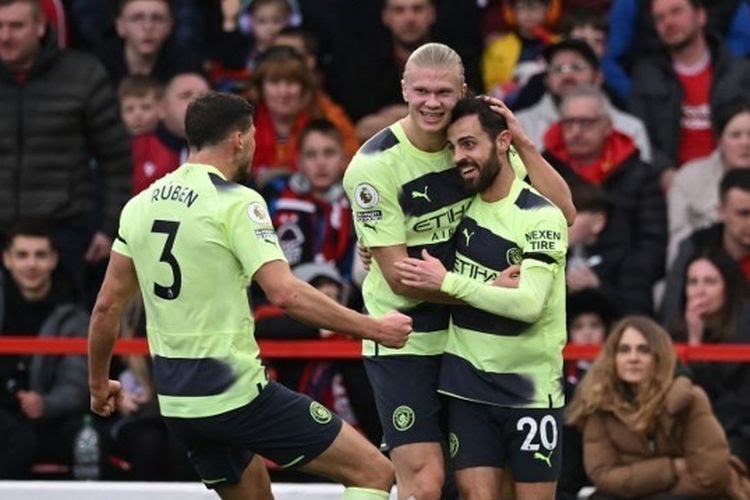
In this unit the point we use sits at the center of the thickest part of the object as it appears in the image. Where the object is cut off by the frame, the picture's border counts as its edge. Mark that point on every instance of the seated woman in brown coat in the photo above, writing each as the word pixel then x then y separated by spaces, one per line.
pixel 646 433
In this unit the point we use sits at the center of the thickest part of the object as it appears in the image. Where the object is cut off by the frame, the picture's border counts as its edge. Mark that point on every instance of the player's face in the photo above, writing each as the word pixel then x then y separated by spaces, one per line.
pixel 677 22
pixel 431 94
pixel 20 32
pixel 321 160
pixel 474 154
pixel 734 142
pixel 268 21
pixel 584 127
pixel 705 285
pixel 284 96
pixel 30 260
pixel 145 25
pixel 587 328
pixel 567 70
pixel 735 214
pixel 634 361
pixel 140 113
pixel 181 91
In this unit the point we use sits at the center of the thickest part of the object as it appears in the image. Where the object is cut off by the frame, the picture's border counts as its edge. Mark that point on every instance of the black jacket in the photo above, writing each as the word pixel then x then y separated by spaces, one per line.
pixel 656 96
pixel 63 116
pixel 633 244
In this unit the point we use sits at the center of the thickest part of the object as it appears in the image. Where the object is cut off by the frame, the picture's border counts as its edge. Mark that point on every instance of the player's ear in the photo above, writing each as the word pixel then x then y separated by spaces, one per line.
pixel 403 90
pixel 503 140
pixel 464 90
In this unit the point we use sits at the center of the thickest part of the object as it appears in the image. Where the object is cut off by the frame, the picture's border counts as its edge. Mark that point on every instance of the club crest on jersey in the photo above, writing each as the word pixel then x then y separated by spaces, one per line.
pixel 514 256
pixel 257 213
pixel 366 196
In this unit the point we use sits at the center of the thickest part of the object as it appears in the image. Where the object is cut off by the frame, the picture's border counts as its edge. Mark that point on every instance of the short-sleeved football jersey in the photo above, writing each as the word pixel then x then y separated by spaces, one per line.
pixel 196 240
pixel 494 359
pixel 402 195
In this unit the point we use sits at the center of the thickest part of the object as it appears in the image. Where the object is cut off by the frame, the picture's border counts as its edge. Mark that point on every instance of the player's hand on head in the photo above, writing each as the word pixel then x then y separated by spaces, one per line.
pixel 426 273
pixel 498 106
pixel 395 328
pixel 104 401
pixel 509 277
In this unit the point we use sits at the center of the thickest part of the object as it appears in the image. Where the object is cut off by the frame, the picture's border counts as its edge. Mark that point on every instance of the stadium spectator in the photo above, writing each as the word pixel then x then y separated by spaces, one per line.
pixel 570 64
pixel 139 98
pixel 675 90
pixel 730 235
pixel 693 200
pixel 647 432
pixel 714 310
pixel 59 114
pixel 142 45
pixel 590 316
pixel 307 45
pixel 311 215
pixel 157 153
pixel 585 148
pixel 513 58
pixel 285 92
pixel 592 214
pixel 42 397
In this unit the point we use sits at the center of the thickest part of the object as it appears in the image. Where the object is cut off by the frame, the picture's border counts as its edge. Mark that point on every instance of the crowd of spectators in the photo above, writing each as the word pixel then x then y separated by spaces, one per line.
pixel 641 105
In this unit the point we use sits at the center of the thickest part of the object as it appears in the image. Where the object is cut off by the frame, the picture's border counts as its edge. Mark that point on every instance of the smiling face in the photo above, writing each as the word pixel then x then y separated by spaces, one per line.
pixel 30 260
pixel 431 94
pixel 475 155
pixel 634 360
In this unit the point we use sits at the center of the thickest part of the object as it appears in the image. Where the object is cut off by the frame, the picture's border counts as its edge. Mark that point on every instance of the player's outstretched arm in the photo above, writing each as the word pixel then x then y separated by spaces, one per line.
pixel 304 302
pixel 120 284
pixel 541 174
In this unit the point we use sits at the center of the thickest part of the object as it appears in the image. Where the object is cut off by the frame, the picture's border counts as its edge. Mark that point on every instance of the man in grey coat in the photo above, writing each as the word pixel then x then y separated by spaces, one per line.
pixel 42 398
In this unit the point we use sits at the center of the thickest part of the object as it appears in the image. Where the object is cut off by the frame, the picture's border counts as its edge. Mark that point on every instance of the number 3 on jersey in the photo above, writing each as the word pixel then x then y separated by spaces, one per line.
pixel 169 228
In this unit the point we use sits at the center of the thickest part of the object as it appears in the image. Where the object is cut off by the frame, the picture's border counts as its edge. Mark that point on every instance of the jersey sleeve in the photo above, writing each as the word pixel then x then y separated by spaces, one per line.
pixel 545 238
pixel 251 234
pixel 120 244
pixel 373 195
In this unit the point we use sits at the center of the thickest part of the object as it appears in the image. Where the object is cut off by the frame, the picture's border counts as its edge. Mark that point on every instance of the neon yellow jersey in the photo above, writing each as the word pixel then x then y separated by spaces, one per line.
pixel 401 195
pixel 495 359
pixel 196 241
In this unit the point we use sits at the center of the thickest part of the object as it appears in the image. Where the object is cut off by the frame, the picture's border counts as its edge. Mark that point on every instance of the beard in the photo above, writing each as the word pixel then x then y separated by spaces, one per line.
pixel 488 171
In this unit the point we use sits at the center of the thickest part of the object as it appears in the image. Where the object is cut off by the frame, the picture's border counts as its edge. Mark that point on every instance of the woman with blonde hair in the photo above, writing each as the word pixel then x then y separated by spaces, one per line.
pixel 647 433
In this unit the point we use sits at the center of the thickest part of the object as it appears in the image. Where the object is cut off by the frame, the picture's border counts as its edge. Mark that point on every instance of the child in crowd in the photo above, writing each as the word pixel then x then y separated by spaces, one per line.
pixel 511 60
pixel 139 98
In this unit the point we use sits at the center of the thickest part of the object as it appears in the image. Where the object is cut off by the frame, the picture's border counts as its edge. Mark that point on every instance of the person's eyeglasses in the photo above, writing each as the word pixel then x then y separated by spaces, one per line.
pixel 581 121
pixel 561 69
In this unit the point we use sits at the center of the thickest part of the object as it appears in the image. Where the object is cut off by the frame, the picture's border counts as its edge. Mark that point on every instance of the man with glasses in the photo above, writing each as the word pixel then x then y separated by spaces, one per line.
pixel 571 63
pixel 586 148
pixel 143 45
